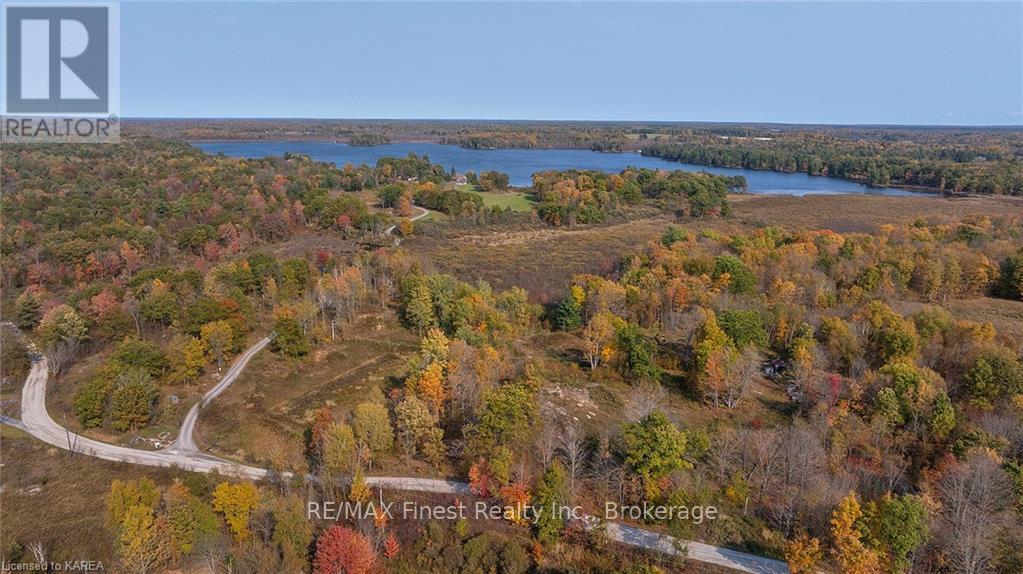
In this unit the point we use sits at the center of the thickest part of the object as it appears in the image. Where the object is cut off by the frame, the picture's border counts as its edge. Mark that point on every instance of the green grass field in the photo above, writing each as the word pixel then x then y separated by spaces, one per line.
pixel 515 200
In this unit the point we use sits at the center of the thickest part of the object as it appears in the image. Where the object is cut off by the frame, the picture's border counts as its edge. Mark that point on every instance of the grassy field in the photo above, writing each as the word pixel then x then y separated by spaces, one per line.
pixel 51 497
pixel 863 213
pixel 538 258
pixel 263 416
pixel 514 200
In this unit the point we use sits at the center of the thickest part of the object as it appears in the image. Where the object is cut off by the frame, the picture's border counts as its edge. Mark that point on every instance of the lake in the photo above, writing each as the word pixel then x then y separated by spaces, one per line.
pixel 521 164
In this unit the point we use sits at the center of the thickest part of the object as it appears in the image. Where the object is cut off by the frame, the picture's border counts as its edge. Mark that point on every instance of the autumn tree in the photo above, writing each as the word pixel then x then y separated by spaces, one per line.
pixel 61 332
pixel 429 385
pixel 341 550
pixel 190 359
pixel 840 344
pixel 417 429
pixel 516 498
pixel 481 479
pixel 891 336
pixel 323 418
pixel 718 373
pixel 359 490
pixel 391 546
pixel 371 424
pixel 848 548
pixel 143 542
pixel 125 494
pixel 338 449
pixel 493 181
pixel 219 339
pixel 406 227
pixel 236 502
pixel 599 336
pixel 709 337
pixel 191 520
pixel 803 554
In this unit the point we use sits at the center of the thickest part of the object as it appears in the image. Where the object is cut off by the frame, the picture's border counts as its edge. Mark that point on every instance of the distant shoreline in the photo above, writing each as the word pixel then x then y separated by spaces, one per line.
pixel 875 190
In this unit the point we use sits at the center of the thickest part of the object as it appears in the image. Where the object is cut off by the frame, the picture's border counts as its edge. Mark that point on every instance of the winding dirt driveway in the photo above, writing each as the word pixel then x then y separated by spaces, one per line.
pixel 424 213
pixel 36 421
pixel 185 443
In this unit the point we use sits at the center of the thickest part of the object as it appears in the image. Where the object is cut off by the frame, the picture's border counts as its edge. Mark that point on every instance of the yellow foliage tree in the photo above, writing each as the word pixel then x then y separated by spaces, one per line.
pixel 599 334
pixel 359 491
pixel 406 227
pixel 218 337
pixel 236 502
pixel 850 553
pixel 143 542
pixel 803 553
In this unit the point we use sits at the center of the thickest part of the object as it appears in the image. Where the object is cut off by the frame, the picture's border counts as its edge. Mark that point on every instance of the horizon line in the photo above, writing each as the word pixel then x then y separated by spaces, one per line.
pixel 1018 126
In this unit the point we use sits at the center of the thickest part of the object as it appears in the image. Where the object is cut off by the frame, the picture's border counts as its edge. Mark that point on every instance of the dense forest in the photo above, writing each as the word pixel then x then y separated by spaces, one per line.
pixel 823 390
pixel 950 169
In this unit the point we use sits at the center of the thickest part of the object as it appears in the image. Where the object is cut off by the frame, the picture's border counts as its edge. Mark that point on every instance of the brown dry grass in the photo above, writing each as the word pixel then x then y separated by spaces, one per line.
pixel 1005 315
pixel 538 258
pixel 49 496
pixel 264 414
pixel 863 213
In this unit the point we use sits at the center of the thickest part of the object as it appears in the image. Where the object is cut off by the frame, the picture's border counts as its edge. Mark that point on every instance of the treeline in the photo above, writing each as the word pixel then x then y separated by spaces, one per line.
pixel 941 168
pixel 595 139
pixel 368 139
pixel 98 213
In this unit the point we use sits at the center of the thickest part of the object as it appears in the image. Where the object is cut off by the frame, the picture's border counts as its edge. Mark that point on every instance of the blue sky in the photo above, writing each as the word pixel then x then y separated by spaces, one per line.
pixel 823 62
